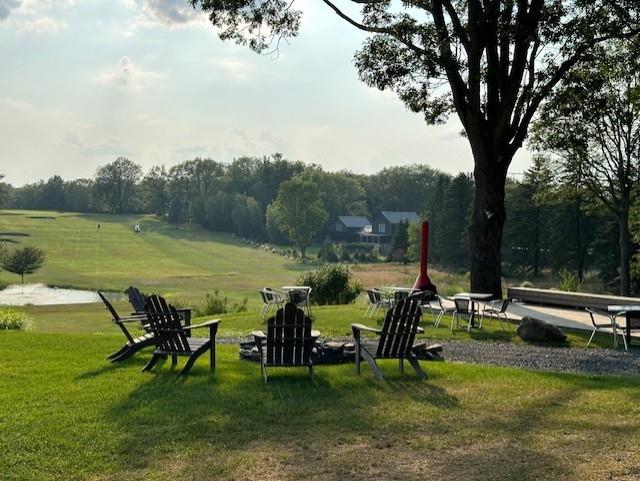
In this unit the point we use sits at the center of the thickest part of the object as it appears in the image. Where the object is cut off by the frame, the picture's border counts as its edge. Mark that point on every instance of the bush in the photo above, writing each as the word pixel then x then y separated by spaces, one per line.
pixel 569 281
pixel 12 319
pixel 331 285
pixel 526 284
pixel 216 304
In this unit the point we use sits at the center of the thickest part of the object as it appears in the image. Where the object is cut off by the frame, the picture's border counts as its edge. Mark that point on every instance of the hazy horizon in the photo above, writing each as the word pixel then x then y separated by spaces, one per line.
pixel 151 81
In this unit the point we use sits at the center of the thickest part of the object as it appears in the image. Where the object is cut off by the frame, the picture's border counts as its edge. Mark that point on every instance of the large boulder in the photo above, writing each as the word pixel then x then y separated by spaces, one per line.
pixel 536 330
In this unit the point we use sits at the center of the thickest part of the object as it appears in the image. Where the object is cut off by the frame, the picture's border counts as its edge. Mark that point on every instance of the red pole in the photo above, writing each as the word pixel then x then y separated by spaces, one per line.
pixel 423 282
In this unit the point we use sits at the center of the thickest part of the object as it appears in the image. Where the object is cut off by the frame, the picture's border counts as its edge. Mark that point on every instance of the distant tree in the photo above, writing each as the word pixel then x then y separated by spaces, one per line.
pixel 23 260
pixel 247 218
pixel 298 211
pixel 400 243
pixel 591 126
pixel 52 194
pixel 155 190
pixel 115 184
pixel 5 190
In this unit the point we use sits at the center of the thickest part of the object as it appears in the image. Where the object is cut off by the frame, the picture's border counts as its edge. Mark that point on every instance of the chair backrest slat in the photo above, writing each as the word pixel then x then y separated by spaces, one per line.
pixel 136 298
pixel 399 329
pixel 164 322
pixel 289 340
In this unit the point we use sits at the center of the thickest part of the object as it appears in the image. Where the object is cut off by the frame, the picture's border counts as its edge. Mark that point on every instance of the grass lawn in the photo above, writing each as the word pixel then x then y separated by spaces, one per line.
pixel 65 414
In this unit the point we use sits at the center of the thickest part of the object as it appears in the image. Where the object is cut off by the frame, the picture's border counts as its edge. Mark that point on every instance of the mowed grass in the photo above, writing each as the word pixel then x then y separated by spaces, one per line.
pixel 66 414
pixel 185 262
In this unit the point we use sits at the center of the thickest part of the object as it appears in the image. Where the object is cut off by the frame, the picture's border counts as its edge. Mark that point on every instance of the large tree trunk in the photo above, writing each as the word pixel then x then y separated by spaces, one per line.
pixel 625 249
pixel 580 244
pixel 487 222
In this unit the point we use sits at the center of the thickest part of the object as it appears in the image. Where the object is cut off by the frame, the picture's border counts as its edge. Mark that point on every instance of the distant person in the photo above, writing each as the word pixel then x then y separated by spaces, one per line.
pixel 98 227
pixel 136 228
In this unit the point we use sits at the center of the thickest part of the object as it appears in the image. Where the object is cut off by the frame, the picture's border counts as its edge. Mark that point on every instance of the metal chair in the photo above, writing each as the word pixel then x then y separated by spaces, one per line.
pixel 439 309
pixel 463 308
pixel 270 298
pixel 376 302
pixel 496 308
pixel 610 324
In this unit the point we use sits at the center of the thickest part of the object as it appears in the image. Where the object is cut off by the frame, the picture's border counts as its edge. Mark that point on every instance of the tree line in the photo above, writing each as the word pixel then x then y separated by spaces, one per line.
pixel 272 199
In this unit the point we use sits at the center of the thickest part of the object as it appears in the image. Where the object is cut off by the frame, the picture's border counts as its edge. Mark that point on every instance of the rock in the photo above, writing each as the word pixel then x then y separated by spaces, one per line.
pixel 428 353
pixel 536 330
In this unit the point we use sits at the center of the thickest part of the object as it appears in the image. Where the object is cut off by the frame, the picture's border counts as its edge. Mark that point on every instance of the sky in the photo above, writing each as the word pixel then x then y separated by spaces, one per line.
pixel 85 81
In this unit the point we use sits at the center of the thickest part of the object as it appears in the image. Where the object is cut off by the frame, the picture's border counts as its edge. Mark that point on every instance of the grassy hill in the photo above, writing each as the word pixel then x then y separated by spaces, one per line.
pixel 183 263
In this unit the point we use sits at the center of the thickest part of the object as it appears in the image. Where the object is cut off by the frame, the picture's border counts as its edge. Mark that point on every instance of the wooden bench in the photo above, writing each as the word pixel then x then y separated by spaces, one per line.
pixel 578 300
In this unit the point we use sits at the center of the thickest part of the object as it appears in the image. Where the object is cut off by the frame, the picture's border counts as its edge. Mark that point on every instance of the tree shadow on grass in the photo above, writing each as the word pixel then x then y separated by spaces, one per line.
pixel 233 409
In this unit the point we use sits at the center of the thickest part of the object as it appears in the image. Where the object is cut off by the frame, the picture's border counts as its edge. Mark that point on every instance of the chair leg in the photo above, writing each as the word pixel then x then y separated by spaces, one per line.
pixel 372 363
pixel 416 367
pixel 118 353
pixel 152 362
pixel 357 366
pixel 310 372
pixel 263 369
pixel 174 360
pixel 453 317
pixel 592 334
pixel 189 364
pixel 212 356
pixel 401 365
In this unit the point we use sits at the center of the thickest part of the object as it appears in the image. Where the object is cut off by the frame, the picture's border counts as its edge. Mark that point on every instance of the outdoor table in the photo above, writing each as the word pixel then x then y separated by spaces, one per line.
pixel 473 297
pixel 627 310
pixel 307 289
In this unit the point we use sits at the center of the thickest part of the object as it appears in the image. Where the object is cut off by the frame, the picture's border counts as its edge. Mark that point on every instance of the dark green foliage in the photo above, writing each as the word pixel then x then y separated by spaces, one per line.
pixel 115 185
pixel 23 260
pixel 331 285
pixel 400 243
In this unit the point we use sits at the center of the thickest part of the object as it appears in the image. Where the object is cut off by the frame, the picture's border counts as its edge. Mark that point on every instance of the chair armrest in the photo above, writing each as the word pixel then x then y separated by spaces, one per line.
pixel 600 312
pixel 315 333
pixel 213 322
pixel 420 330
pixel 361 327
pixel 259 334
pixel 122 320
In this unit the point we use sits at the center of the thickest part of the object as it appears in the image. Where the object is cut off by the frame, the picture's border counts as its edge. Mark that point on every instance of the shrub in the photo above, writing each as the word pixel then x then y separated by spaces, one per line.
pixel 526 284
pixel 331 285
pixel 216 304
pixel 568 281
pixel 12 319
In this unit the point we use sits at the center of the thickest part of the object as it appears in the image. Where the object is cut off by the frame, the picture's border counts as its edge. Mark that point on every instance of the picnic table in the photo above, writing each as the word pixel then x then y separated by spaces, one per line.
pixel 473 297
pixel 628 311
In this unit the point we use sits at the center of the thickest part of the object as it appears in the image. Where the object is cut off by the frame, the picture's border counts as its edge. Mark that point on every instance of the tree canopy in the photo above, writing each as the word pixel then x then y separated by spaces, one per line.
pixel 492 62
pixel 23 260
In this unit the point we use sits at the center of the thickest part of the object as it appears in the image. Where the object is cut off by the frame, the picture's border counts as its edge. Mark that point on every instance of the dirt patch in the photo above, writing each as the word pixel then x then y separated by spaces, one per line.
pixel 41 217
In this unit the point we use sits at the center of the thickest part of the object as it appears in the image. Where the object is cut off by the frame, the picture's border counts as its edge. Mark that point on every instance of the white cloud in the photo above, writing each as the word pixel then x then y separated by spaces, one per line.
pixel 167 13
pixel 126 74
pixel 42 25
pixel 6 6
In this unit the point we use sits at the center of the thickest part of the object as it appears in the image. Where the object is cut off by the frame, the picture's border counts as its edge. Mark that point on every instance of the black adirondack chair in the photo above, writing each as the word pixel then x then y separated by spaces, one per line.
pixel 170 336
pixel 137 299
pixel 289 340
pixel 134 343
pixel 396 338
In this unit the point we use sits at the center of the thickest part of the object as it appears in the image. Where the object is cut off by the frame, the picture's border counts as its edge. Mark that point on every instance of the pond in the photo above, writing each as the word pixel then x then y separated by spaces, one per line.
pixel 42 295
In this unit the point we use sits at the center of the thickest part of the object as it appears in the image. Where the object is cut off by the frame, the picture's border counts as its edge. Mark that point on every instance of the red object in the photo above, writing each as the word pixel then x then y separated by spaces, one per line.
pixel 423 283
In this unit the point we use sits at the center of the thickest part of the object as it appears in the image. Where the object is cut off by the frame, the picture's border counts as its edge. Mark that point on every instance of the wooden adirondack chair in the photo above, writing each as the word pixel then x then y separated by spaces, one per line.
pixel 288 342
pixel 396 338
pixel 170 336
pixel 137 299
pixel 134 344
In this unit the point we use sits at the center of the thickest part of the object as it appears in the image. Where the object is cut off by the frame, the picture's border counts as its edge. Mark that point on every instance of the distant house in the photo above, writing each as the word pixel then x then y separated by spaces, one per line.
pixel 385 224
pixel 349 227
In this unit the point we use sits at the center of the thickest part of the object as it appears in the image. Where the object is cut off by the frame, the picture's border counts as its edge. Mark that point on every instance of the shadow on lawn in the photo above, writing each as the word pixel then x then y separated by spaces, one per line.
pixel 234 409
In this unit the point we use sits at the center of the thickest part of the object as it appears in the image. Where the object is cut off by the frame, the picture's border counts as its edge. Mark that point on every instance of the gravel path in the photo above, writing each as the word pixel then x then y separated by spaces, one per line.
pixel 581 360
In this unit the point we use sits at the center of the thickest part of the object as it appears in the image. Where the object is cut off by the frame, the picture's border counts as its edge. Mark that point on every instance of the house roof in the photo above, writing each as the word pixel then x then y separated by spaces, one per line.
pixel 354 221
pixel 397 217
